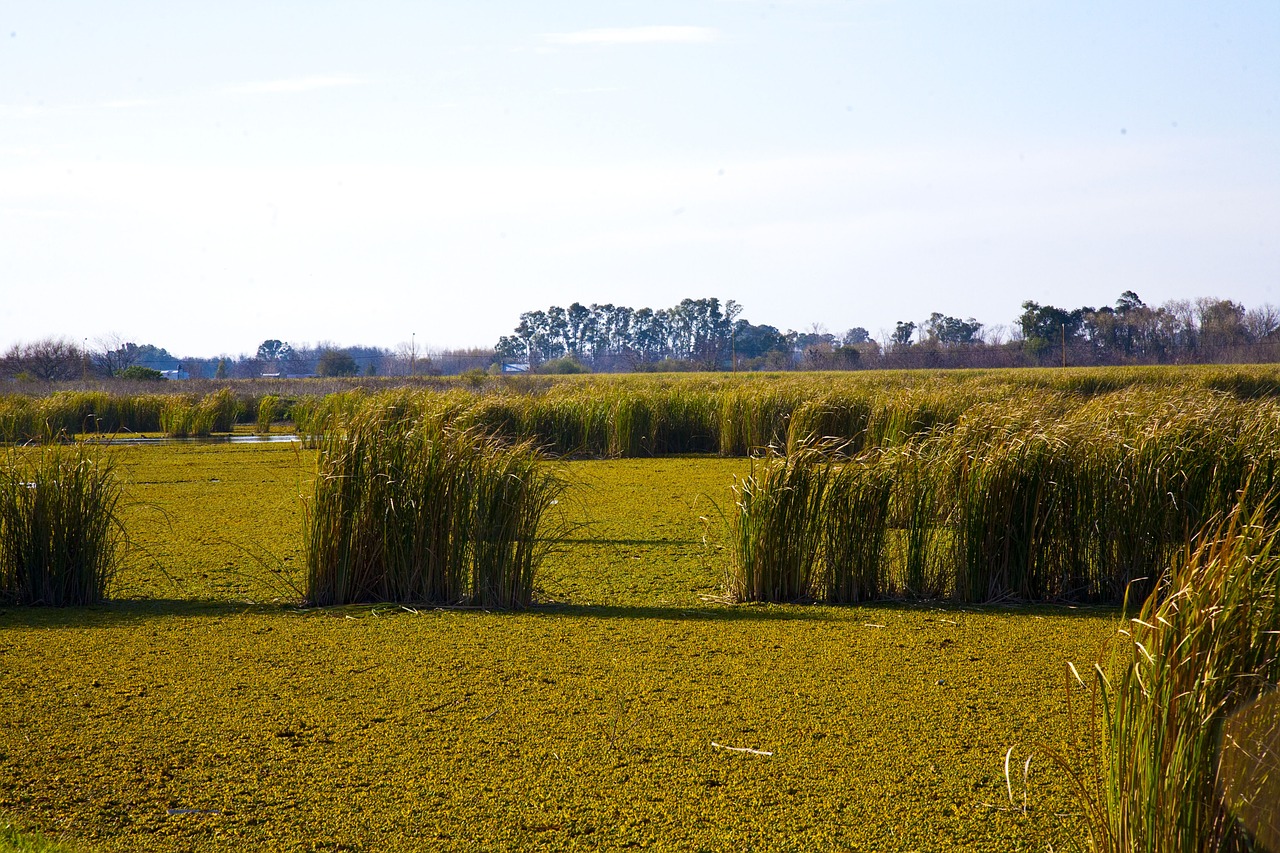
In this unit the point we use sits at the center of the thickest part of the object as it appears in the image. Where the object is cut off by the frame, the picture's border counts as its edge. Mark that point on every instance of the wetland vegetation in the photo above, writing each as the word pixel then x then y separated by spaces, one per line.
pixel 631 702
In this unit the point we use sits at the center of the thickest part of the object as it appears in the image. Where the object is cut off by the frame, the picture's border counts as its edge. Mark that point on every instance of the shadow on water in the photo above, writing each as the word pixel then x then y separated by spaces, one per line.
pixel 127 612
pixel 571 540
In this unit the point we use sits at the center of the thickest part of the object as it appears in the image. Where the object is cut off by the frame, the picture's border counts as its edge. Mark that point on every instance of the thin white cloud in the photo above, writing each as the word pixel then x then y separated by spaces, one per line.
pixel 587 90
pixel 293 85
pixel 634 35
pixel 131 103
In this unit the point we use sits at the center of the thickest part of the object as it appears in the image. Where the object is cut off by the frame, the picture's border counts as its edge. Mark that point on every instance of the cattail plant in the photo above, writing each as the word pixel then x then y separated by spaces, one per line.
pixel 60 536
pixel 914 520
pixel 267 407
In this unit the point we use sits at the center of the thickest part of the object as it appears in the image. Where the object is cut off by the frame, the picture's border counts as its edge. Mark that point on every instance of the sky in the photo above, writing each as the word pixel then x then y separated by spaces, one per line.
pixel 206 176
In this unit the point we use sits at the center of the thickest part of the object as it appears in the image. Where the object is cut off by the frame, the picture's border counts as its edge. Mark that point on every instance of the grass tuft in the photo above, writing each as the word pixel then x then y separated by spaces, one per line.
pixel 776 532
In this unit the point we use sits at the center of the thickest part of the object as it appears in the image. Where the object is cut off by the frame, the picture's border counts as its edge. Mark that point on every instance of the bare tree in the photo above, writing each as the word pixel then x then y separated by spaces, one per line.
pixel 113 354
pixel 1262 321
pixel 49 359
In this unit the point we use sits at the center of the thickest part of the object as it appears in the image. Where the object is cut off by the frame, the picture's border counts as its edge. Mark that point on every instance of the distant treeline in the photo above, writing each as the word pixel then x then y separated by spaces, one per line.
pixel 707 334
pixel 703 334
pixel 61 360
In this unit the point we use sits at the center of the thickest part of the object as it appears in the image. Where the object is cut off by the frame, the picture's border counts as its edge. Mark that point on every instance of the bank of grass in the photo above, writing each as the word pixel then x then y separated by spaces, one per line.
pixel 193 719
pixel 631 415
pixel 1021 501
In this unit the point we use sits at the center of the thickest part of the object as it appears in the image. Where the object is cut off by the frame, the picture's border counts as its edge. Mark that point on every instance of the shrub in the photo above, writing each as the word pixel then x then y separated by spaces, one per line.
pixel 138 373
pixel 568 364
pixel 59 533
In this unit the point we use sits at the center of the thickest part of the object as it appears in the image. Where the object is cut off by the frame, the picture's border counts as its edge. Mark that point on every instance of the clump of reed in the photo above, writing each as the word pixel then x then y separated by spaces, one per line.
pixel 60 536
pixel 268 408
pixel 1040 502
pixel 777 527
pixel 756 418
pixel 1177 753
pixel 25 418
pixel 187 415
pixel 222 409
pixel 313 416
pixel 855 532
pixel 182 417
pixel 663 420
pixel 408 507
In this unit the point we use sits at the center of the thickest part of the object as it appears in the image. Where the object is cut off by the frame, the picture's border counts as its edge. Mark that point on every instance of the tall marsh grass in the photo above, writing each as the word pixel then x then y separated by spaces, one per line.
pixel 267 411
pixel 408 507
pixel 1031 502
pixel 855 533
pixel 1179 755
pixel 776 531
pixel 60 536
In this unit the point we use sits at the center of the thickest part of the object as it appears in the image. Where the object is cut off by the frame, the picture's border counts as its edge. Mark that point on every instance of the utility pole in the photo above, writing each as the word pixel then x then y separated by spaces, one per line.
pixel 1064 345
pixel 413 353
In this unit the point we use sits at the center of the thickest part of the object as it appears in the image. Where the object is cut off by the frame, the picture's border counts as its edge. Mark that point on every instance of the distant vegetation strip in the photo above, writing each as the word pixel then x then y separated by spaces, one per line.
pixel 730 414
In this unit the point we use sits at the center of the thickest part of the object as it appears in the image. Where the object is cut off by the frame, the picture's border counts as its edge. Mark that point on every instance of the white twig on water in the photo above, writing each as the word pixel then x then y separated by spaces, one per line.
pixel 745 749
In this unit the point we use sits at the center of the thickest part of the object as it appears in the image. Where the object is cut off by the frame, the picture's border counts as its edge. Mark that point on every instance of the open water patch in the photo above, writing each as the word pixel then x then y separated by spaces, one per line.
pixel 145 441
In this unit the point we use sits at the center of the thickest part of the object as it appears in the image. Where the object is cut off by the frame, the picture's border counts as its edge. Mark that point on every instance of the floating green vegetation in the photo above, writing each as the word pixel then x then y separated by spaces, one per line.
pixel 181 717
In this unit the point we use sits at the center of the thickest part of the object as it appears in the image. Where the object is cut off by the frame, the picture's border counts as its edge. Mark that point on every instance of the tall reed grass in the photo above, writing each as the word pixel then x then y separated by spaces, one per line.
pixel 855 533
pixel 776 531
pixel 268 411
pixel 1037 502
pixel 1177 756
pixel 408 507
pixel 60 535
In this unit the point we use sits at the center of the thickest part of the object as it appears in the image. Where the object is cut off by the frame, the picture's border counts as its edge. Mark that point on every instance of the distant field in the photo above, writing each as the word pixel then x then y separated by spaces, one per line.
pixel 186 717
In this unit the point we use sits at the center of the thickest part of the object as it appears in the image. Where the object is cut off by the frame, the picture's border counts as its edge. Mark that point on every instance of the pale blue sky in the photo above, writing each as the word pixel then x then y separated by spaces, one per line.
pixel 205 176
